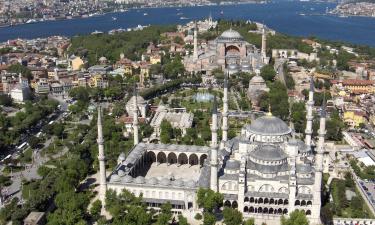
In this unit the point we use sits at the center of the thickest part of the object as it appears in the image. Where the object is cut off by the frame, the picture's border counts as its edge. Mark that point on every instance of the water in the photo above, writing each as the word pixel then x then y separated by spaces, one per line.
pixel 284 16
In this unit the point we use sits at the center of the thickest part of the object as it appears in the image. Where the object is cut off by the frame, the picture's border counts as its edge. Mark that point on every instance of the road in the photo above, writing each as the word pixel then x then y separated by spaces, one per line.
pixel 26 136
pixel 30 171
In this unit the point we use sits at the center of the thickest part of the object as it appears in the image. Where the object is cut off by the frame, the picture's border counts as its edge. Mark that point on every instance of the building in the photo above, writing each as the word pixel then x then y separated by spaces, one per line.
pixel 42 87
pixel 98 81
pixel 257 87
pixel 229 50
pixel 21 92
pixel 294 54
pixel 141 106
pixel 354 118
pixel 35 218
pixel 76 63
pixel 264 172
pixel 355 86
pixel 155 59
pixel 181 120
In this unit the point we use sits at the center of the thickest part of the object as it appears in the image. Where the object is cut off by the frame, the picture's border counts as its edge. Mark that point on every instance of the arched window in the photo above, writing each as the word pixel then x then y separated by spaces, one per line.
pixel 161 157
pixel 297 202
pixel 234 205
pixel 182 159
pixel 193 159
pixel 246 199
pixel 308 212
pixel 227 203
pixel 172 158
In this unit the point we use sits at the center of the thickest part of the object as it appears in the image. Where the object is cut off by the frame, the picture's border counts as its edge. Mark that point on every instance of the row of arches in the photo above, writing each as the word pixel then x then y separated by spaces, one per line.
pixel 265 210
pixel 303 203
pixel 172 158
pixel 267 201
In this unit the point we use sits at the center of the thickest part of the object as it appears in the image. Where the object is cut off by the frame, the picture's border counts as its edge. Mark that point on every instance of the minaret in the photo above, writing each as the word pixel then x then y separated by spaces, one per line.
pixel 195 56
pixel 225 110
pixel 309 115
pixel 319 166
pixel 264 40
pixel 135 118
pixel 101 158
pixel 214 185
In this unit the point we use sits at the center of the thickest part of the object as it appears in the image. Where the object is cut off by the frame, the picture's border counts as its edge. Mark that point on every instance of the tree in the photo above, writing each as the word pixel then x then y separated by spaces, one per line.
pixel 209 200
pixel 298 116
pixel 5 100
pixel 250 221
pixel 182 220
pixel 295 218
pixel 96 209
pixel 232 216
pixel 20 69
pixel 268 73
pixel 166 132
pixel 209 219
pixel 33 142
pixel 165 214
pixel 278 99
pixel 58 129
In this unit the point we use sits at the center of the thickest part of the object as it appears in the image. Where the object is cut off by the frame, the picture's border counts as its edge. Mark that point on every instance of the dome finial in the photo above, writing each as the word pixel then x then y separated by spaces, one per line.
pixel 269 110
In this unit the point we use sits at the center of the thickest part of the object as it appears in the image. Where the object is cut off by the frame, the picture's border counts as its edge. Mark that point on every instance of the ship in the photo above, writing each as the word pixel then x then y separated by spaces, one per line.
pixel 145 14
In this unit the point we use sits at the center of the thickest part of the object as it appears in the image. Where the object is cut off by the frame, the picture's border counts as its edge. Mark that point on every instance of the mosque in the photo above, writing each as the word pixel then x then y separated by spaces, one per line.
pixel 228 51
pixel 264 172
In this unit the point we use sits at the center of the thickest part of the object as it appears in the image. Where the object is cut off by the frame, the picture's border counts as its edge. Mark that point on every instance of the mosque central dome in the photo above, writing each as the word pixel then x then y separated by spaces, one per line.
pixel 269 125
pixel 231 35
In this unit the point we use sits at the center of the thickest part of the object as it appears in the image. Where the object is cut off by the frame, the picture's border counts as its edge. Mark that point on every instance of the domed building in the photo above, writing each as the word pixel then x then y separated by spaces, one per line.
pixel 228 51
pixel 257 87
pixel 264 172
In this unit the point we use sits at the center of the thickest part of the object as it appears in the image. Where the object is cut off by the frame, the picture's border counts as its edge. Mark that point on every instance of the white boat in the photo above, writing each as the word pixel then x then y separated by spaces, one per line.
pixel 183 18
pixel 31 21
pixel 97 32
pixel 114 18
pixel 145 14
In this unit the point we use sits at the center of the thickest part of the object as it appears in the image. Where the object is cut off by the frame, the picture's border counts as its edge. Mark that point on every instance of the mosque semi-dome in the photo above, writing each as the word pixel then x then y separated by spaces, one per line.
pixel 268 153
pixel 257 79
pixel 269 125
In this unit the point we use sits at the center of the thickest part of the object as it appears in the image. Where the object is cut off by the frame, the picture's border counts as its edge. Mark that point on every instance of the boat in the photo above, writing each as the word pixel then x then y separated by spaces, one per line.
pixel 302 14
pixel 183 18
pixel 114 18
pixel 96 32
pixel 31 21
pixel 222 12
pixel 179 14
pixel 145 14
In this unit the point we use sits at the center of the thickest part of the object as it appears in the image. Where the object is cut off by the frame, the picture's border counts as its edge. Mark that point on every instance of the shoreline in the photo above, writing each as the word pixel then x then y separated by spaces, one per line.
pixel 134 8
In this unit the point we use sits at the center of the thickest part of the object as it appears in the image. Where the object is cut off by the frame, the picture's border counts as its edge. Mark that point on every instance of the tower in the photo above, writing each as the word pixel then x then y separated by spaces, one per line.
pixel 225 110
pixel 264 40
pixel 213 183
pixel 195 54
pixel 101 158
pixel 135 118
pixel 319 166
pixel 309 115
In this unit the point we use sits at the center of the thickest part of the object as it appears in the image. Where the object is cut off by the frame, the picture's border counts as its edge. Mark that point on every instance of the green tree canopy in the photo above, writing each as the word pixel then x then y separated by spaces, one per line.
pixel 268 73
pixel 232 216
pixel 295 218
